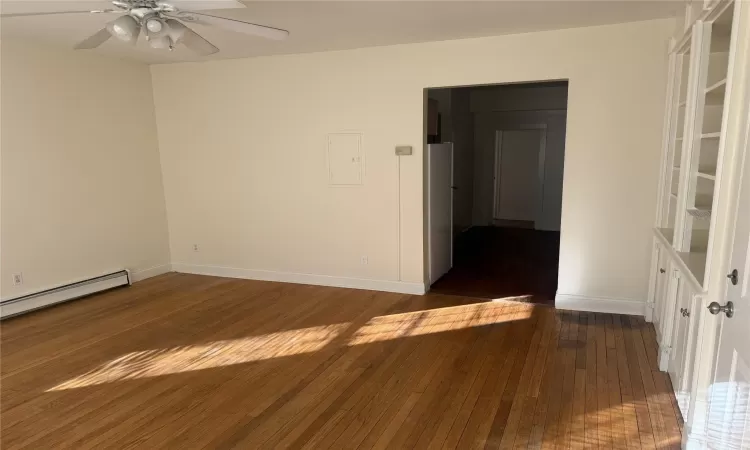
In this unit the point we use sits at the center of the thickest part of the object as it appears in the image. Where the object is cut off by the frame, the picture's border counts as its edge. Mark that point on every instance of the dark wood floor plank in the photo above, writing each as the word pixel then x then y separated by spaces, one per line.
pixel 649 340
pixel 617 418
pixel 508 417
pixel 462 382
pixel 482 395
pixel 626 388
pixel 552 424
pixel 643 417
pixel 493 425
pixel 609 330
pixel 454 386
pixel 187 361
pixel 540 418
pixel 524 424
pixel 602 390
pixel 568 387
pixel 578 426
pixel 649 387
pixel 592 406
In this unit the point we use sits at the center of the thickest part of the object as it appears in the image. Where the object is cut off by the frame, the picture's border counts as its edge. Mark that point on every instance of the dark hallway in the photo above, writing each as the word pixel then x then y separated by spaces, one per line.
pixel 495 262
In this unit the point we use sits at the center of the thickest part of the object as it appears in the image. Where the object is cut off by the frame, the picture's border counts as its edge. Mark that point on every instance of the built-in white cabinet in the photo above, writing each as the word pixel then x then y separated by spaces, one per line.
pixel 689 235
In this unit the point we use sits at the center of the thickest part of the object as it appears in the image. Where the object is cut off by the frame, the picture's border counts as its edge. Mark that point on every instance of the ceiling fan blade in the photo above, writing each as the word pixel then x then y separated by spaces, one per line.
pixel 95 40
pixel 197 43
pixel 60 12
pixel 234 25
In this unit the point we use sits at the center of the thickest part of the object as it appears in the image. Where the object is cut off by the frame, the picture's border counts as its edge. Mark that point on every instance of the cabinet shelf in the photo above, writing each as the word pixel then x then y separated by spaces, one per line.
pixel 715 96
pixel 699 241
pixel 696 264
pixel 667 234
pixel 692 263
pixel 699 213
pixel 698 244
pixel 707 174
pixel 704 201
pixel 715 135
pixel 718 88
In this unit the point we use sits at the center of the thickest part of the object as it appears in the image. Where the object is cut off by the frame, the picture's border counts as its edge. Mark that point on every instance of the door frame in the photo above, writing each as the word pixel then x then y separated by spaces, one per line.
pixel 540 167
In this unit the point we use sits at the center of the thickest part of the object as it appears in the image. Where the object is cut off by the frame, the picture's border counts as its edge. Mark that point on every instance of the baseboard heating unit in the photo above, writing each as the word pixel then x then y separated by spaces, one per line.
pixel 72 291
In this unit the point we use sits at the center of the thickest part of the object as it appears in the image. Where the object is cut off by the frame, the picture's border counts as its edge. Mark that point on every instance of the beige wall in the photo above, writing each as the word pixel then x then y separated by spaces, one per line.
pixel 81 188
pixel 242 144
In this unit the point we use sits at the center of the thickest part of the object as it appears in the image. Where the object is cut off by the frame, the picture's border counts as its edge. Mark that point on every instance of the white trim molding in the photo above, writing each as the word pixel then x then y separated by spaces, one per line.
pixel 600 304
pixel 664 352
pixel 303 278
pixel 694 434
pixel 140 275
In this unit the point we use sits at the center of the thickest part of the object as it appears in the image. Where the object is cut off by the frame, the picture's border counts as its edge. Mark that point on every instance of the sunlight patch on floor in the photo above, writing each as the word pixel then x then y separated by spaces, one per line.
pixel 419 323
pixel 515 298
pixel 152 363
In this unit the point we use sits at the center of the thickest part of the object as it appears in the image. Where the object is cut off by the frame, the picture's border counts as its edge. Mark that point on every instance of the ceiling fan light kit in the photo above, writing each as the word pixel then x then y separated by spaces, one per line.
pixel 125 28
pixel 154 25
pixel 161 26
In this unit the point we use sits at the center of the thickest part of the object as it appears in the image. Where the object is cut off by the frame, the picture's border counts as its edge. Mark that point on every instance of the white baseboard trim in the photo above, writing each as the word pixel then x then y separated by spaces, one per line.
pixel 696 425
pixel 303 278
pixel 600 304
pixel 693 442
pixel 136 276
pixel 664 357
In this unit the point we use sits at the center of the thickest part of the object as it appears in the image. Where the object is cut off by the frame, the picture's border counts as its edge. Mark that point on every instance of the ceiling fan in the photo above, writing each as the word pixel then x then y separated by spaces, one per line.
pixel 162 25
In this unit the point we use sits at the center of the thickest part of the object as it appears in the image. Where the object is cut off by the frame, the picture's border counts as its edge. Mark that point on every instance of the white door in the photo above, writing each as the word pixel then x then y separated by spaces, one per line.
pixel 517 182
pixel 729 395
pixel 440 209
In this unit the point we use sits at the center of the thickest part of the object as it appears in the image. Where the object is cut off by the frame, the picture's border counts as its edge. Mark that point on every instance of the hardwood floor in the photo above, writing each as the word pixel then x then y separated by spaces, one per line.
pixel 187 361
pixel 497 262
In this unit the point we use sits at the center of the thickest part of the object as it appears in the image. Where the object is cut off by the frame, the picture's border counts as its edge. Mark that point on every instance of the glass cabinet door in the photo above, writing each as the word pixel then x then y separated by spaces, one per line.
pixel 675 136
pixel 705 142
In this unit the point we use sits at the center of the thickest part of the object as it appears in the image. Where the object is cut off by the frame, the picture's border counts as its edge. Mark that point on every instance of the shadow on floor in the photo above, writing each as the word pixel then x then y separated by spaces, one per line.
pixel 495 262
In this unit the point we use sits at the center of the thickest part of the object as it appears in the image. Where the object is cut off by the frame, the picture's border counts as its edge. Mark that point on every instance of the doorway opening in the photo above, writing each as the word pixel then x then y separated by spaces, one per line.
pixel 494 175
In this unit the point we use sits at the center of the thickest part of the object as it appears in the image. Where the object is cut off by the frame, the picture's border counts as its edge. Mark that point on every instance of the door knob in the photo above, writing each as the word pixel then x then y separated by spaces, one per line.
pixel 733 277
pixel 727 309
pixel 662 270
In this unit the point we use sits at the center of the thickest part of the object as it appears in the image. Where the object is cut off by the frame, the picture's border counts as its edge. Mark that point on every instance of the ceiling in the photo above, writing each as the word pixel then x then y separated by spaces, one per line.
pixel 337 25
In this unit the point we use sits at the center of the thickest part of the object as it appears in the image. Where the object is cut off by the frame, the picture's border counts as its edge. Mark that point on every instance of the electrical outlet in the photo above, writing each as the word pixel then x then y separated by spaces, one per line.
pixel 195 247
pixel 17 279
pixel 364 260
